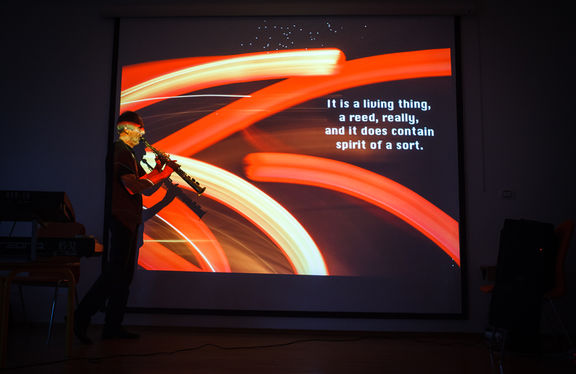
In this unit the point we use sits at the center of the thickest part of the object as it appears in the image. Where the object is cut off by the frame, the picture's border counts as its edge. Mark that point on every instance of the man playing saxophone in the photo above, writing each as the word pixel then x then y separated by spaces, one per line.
pixel 129 180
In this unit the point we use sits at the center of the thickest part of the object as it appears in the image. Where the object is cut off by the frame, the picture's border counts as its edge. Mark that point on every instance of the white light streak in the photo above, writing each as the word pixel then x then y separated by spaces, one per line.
pixel 183 97
pixel 290 63
pixel 266 213
pixel 189 242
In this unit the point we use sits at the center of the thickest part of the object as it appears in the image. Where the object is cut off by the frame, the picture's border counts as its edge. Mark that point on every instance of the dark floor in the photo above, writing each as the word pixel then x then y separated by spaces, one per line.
pixel 187 350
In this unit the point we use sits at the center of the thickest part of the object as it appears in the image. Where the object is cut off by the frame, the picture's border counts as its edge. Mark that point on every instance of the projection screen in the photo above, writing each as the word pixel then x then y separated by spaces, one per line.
pixel 328 147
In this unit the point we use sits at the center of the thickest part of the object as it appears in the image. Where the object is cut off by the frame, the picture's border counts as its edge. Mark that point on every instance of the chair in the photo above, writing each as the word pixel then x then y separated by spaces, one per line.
pixel 50 272
pixel 60 272
pixel 530 270
pixel 51 217
pixel 57 272
pixel 564 232
pixel 50 278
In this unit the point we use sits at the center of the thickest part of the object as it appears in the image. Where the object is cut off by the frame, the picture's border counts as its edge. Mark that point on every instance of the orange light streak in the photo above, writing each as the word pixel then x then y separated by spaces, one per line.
pixel 154 256
pixel 135 74
pixel 202 243
pixel 275 98
pixel 360 183
pixel 233 69
pixel 254 205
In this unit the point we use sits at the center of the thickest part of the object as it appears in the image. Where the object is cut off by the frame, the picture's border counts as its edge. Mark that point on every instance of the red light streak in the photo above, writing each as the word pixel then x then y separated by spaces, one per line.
pixel 205 247
pixel 292 91
pixel 239 115
pixel 155 256
pixel 363 184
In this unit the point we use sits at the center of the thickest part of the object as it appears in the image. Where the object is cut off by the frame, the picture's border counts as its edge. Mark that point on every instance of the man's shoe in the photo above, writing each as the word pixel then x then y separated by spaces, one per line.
pixel 118 333
pixel 81 329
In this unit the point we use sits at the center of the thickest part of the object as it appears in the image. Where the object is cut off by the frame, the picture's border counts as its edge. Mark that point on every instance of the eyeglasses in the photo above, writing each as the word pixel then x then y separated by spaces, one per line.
pixel 140 130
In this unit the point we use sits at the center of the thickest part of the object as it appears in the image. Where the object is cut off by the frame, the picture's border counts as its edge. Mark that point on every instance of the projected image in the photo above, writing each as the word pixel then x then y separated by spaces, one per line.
pixel 326 146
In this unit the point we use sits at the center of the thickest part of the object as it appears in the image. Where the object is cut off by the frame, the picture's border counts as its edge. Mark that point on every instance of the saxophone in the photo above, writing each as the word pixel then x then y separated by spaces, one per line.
pixel 165 158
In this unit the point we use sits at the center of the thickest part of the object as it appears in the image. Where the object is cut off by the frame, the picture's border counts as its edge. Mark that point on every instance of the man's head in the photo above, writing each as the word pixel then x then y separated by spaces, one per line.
pixel 130 128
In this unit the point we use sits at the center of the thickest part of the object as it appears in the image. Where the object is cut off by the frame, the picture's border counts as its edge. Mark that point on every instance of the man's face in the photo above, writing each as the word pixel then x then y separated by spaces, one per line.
pixel 132 134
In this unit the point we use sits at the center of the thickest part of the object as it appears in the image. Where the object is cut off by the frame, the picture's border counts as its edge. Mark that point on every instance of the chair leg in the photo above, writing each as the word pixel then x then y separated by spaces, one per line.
pixel 4 311
pixel 72 299
pixel 497 339
pixel 561 323
pixel 502 351
pixel 52 311
pixel 24 315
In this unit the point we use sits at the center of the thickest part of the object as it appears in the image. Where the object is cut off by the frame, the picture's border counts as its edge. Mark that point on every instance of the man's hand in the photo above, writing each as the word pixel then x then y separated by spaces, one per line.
pixel 159 164
pixel 171 165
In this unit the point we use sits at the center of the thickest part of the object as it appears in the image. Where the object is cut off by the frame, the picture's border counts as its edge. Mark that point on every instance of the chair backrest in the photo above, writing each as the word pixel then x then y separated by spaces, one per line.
pixel 563 233
pixel 525 270
pixel 527 255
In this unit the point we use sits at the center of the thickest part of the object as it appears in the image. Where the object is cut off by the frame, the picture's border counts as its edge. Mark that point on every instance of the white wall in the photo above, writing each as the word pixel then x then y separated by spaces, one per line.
pixel 518 129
